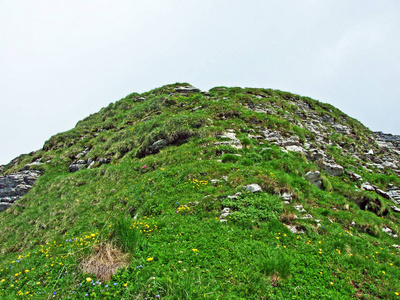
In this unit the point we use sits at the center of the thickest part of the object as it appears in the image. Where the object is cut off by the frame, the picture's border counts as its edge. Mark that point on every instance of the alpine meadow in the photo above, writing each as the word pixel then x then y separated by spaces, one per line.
pixel 231 193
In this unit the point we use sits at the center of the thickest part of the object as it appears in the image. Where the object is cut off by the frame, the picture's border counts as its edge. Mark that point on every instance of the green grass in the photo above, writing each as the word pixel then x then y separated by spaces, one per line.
pixel 162 210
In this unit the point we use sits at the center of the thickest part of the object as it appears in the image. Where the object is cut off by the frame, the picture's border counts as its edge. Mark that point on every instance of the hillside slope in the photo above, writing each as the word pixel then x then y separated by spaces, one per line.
pixel 234 193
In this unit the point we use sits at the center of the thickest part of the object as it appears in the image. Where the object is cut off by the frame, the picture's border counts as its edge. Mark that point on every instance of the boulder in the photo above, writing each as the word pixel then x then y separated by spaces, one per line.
pixel 331 168
pixel 389 231
pixel 367 187
pixel 253 188
pixel 287 196
pixel 314 178
pixel 77 165
pixel 315 155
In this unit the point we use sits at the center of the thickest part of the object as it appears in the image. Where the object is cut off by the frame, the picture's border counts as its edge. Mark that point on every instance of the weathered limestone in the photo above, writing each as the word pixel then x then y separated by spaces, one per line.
pixel 233 140
pixel 187 89
pixel 253 188
pixel 15 185
pixel 314 178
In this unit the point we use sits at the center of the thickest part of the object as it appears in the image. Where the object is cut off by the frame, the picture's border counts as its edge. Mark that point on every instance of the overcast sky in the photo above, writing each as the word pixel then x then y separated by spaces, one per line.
pixel 63 60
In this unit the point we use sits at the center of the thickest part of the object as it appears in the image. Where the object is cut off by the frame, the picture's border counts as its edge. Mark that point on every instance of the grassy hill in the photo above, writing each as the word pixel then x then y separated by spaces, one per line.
pixel 182 194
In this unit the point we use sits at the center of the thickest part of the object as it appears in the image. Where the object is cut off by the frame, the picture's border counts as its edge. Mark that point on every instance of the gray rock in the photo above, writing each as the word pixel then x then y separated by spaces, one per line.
pixel 236 196
pixel 254 137
pixel 367 187
pixel 389 164
pixel 292 141
pixel 83 153
pixel 76 166
pixel 389 231
pixel 299 208
pixel 31 165
pixel 287 196
pixel 196 108
pixel 314 178
pixel 307 216
pixel 328 119
pixel 4 206
pixel 233 140
pixel 159 145
pixel 395 208
pixel 253 188
pixel 382 193
pixel 354 176
pixel 103 160
pixel 295 148
pixel 341 128
pixel 225 212
pixel 16 185
pixel 331 168
pixel 385 146
pixel 394 194
pixel 293 229
pixel 315 155
pixel 215 181
pixel 187 89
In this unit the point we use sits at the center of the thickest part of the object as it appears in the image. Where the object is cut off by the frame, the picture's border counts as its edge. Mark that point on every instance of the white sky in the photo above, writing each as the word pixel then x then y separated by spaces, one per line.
pixel 63 60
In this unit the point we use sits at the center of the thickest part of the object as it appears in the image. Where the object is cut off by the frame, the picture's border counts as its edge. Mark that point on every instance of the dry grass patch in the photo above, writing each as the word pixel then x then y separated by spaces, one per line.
pixel 104 261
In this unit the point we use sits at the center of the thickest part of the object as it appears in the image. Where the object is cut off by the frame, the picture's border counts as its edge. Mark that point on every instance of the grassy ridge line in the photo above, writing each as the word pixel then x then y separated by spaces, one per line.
pixel 253 255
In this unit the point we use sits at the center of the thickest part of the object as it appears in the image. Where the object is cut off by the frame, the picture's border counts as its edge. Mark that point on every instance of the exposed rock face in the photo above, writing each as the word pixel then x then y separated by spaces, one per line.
pixel 233 140
pixel 314 178
pixel 389 138
pixel 14 186
pixel 377 151
pixel 331 168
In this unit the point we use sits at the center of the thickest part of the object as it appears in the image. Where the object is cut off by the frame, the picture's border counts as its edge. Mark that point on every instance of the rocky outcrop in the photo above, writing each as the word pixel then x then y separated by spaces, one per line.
pixel 187 89
pixel 389 138
pixel 314 178
pixel 376 152
pixel 232 140
pixel 14 186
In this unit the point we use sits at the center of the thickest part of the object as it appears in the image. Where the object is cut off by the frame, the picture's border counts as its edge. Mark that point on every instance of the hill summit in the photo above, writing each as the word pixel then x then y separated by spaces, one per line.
pixel 231 193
